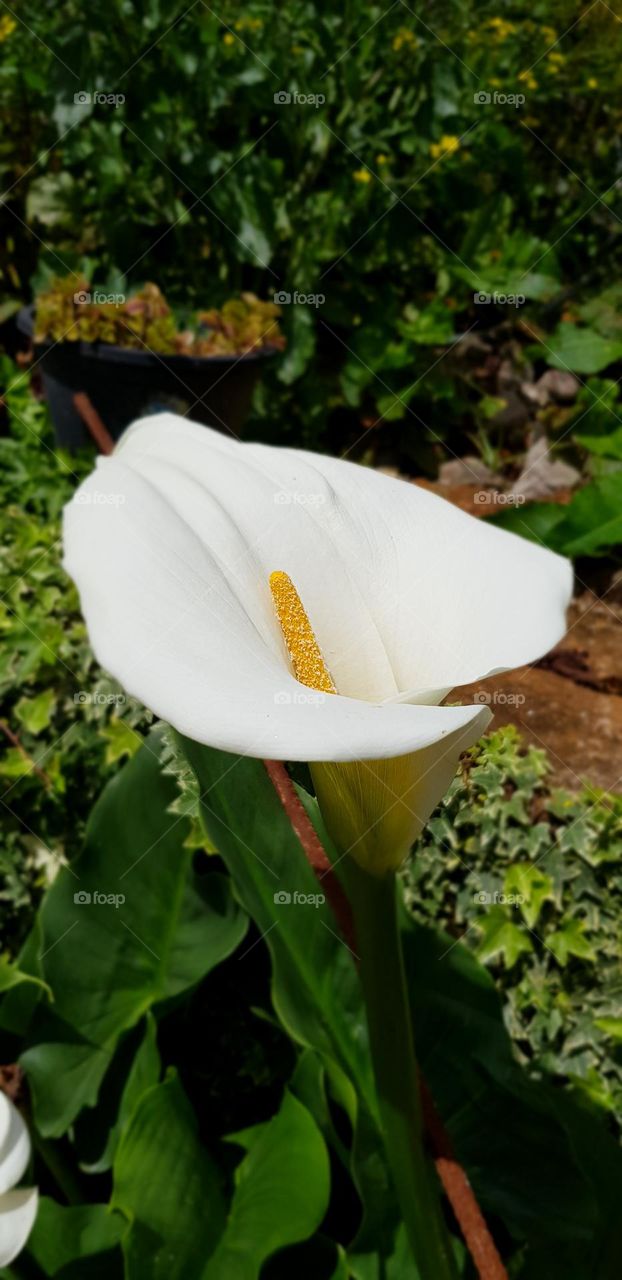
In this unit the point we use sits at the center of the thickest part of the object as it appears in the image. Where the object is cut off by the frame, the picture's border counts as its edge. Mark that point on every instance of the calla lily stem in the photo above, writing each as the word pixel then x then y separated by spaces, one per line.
pixel 374 905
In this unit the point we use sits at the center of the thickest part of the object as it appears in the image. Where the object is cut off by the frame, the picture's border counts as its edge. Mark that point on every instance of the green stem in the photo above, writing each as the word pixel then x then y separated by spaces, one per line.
pixel 374 905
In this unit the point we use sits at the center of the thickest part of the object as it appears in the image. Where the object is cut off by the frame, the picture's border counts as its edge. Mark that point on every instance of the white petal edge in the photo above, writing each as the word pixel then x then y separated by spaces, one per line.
pixel 14 1144
pixel 18 1210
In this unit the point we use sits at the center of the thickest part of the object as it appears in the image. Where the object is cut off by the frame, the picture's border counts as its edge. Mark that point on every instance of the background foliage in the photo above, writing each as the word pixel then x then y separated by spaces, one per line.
pixel 395 199
pixel 390 205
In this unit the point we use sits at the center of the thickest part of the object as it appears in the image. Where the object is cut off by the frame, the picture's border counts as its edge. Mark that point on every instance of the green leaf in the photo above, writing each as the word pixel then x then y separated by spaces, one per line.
pixel 35 713
pixel 122 740
pixel 301 341
pixel 490 1105
pixel 124 1086
pixel 168 1187
pixel 501 938
pixel 569 941
pixel 433 326
pixel 611 1026
pixel 535 520
pixel 316 992
pixel 590 525
pixel 582 350
pixel 126 927
pixel 592 522
pixel 399 1266
pixel 65 1234
pixel 12 976
pixel 530 883
pixel 281 1193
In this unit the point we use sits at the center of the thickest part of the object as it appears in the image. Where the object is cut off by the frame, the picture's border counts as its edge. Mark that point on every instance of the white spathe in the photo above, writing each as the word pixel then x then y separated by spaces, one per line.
pixel 172 541
pixel 18 1208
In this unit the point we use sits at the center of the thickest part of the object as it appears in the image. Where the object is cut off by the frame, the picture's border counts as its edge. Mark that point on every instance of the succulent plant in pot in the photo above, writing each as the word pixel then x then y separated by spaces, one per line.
pixel 128 355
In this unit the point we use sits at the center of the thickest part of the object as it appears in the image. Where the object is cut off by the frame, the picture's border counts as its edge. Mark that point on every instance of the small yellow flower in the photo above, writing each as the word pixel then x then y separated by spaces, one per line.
pixel 549 34
pixel 7 26
pixel 404 37
pixel 495 82
pixel 500 28
pixel 228 38
pixel 592 83
pixel 361 175
pixel 381 158
pixel 556 56
pixel 527 79
pixel 445 147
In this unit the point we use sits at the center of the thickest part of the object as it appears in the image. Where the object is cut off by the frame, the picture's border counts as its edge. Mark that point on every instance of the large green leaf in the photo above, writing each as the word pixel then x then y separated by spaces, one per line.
pixel 135 1068
pixel 582 350
pixel 168 1187
pixel 76 1240
pixel 526 1155
pixel 592 522
pixel 316 991
pixel 108 962
pixel 281 1193
pixel 590 525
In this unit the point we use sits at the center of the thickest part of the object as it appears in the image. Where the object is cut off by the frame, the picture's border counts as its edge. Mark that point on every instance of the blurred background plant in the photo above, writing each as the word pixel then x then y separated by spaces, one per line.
pixel 382 166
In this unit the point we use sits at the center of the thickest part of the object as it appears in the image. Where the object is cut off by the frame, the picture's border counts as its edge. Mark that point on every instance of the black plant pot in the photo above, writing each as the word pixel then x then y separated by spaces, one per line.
pixel 124 384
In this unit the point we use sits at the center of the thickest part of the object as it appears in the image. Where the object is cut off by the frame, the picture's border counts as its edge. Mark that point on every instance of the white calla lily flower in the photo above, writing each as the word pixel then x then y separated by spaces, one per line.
pixel 18 1208
pixel 172 542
